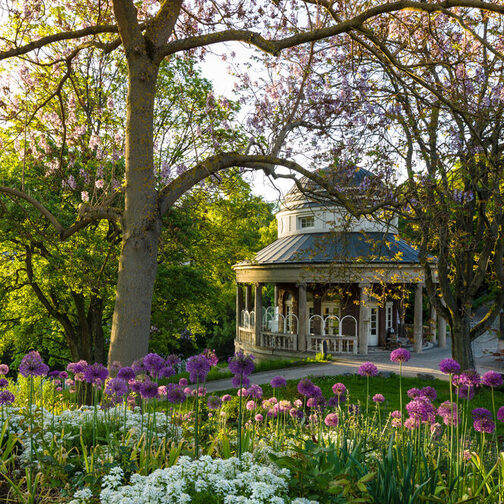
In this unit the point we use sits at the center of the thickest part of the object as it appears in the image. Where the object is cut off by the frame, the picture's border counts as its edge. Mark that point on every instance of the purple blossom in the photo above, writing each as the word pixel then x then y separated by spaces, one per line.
pixel 6 398
pixel 139 367
pixel 238 381
pixel 226 398
pixel 175 394
pixel 135 385
pixel 3 383
pixel 317 402
pixel 295 413
pixel 378 398
pixel 211 356
pixel 172 360
pixel 484 425
pixel 396 414
pixel 251 405
pixel 149 389
pixel 492 379
pixel 153 363
pixel 214 402
pixel 278 382
pixel 306 387
pixel 4 369
pixel 77 367
pixel 116 387
pixel 96 373
pixel 166 372
pixel 63 375
pixel 183 382
pixel 500 414
pixel 259 417
pixel 421 409
pixel 241 364
pixel 255 392
pixel 198 367
pixel 400 355
pixel 481 413
pixel 33 365
pixel 368 369
pixel 126 373
pixel 331 420
pixel 448 411
pixel 336 400
pixel 429 393
pixel 470 378
pixel 414 392
pixel 339 389
pixel 449 366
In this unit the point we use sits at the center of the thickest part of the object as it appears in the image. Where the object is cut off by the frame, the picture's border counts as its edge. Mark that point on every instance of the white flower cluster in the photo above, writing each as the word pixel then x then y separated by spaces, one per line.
pixel 232 481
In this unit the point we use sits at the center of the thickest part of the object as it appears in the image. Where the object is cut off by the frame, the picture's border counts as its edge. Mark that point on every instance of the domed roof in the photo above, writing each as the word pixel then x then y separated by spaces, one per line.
pixel 307 193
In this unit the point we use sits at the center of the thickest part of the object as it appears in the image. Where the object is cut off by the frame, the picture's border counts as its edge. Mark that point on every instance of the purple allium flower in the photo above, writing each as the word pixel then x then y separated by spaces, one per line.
pixel 449 366
pixel 414 392
pixel 33 365
pixel 331 420
pixel 339 389
pixel 63 375
pixel 183 382
pixel 172 360
pixel 153 363
pixel 278 382
pixel 226 398
pixel 259 417
pixel 214 402
pixel 6 398
pixel 166 372
pixel 211 356
pixel 149 389
pixel 396 414
pixel 483 424
pixel 138 367
pixel 400 355
pixel 295 413
pixel 336 400
pixel 198 367
pixel 429 392
pixel 251 405
pixel 379 398
pixel 492 379
pixel 235 381
pixel 306 387
pixel 368 369
pixel 317 402
pixel 4 369
pixel 3 383
pixel 241 364
pixel 126 373
pixel 175 394
pixel 470 378
pixel 116 387
pixel 255 392
pixel 53 374
pixel 77 367
pixel 411 423
pixel 95 373
pixel 135 385
pixel 421 409
pixel 481 413
pixel 500 414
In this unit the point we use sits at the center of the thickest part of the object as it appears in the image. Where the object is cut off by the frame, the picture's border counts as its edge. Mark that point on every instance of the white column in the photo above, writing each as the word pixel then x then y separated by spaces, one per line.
pixel 442 332
pixel 302 322
pixel 258 313
pixel 239 308
pixel 433 324
pixel 363 318
pixel 417 322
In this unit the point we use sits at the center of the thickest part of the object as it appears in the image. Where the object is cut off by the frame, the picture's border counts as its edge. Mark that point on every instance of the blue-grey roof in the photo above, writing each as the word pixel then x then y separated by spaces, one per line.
pixel 337 247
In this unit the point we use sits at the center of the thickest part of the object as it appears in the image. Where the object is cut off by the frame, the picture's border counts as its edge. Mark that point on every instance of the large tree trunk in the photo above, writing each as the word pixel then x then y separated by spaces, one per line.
pixel 461 341
pixel 141 220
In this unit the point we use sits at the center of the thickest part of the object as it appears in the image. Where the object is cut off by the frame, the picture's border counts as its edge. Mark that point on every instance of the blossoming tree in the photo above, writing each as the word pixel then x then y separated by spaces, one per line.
pixel 145 34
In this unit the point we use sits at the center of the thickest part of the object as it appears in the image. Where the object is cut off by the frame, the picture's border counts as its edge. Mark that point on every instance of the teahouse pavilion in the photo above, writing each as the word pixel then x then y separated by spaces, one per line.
pixel 338 282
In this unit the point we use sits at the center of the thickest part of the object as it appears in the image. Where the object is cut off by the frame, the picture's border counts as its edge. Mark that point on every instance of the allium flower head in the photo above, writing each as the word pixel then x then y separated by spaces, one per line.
pixel 198 367
pixel 4 369
pixel 172 360
pixel 421 409
pixel 226 398
pixel 368 369
pixel 484 425
pixel 400 355
pixel 138 367
pixel 331 420
pixel 317 402
pixel 116 387
pixel 255 392
pixel 396 414
pixel 166 372
pixel 481 413
pixel 339 389
pixel 211 356
pixel 183 382
pixel 470 378
pixel 306 387
pixel 33 365
pixel 77 367
pixel 378 398
pixel 153 363
pixel 126 373
pixel 336 400
pixel 3 383
pixel 251 405
pixel 149 389
pixel 175 394
pixel 449 366
pixel 96 373
pixel 414 392
pixel 278 382
pixel 63 375
pixel 492 379
pixel 259 417
pixel 241 364
pixel 500 414
pixel 135 385
pixel 429 392
pixel 6 398
pixel 214 402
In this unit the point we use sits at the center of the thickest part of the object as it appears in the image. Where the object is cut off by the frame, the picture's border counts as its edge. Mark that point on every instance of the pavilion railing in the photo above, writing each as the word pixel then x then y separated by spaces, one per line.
pixel 246 336
pixel 339 334
pixel 278 341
